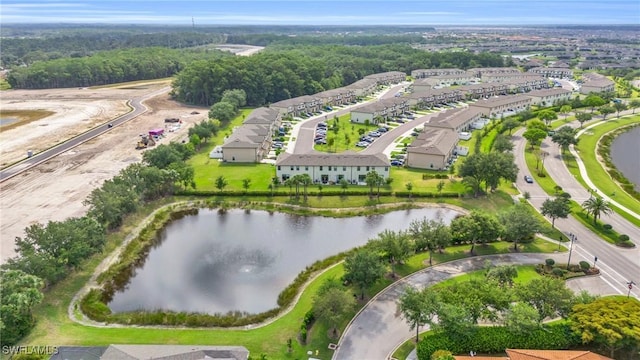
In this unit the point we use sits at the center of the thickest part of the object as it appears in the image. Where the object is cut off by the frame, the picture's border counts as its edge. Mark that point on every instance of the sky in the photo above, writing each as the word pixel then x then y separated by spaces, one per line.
pixel 323 12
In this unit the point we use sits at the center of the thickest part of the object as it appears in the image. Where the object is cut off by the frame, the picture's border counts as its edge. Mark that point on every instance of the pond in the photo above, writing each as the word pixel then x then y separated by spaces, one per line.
pixel 625 154
pixel 7 120
pixel 236 261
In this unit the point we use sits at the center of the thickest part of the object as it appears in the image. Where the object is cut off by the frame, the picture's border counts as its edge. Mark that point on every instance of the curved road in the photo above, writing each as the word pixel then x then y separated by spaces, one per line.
pixel 379 328
pixel 138 108
pixel 617 265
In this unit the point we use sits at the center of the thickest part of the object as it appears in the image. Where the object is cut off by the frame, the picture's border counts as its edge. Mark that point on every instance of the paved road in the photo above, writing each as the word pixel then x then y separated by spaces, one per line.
pixel 138 108
pixel 379 328
pixel 617 265
pixel 304 133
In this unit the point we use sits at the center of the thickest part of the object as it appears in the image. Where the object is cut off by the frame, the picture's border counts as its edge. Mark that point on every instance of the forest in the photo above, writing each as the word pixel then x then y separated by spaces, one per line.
pixel 108 67
pixel 282 72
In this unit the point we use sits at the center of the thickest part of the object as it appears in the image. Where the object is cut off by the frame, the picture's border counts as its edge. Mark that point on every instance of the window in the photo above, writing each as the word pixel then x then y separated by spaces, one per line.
pixel 306 168
pixel 344 168
pixel 329 168
pixel 386 168
pixel 297 168
pixel 292 168
pixel 278 167
pixel 367 168
pixel 358 168
pixel 320 168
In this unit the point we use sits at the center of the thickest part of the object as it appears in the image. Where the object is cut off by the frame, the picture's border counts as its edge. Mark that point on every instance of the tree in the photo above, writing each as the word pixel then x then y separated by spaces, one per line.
pixel 161 156
pixel 522 318
pixel 344 184
pixel 394 245
pixel 409 187
pixel 476 227
pixel 418 307
pixel 519 224
pixel 596 206
pixel 559 207
pixel 565 110
pixel 237 97
pixel 487 168
pixel 534 136
pixel 20 293
pixel 440 186
pixel 246 184
pixel 373 179
pixel 564 137
pixel 510 124
pixel 593 101
pixel 442 355
pixel 583 117
pixel 221 183
pixel 332 304
pixel 363 268
pixel 619 106
pixel 502 144
pixel 606 110
pixel 503 274
pixel 305 180
pixel 549 296
pixel 455 320
pixel 547 116
pixel 611 322
pixel 429 235
pixel 634 104
pixel 222 111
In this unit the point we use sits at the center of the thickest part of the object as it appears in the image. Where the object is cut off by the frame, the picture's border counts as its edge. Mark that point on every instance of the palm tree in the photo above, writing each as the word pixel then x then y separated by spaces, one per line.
pixel 305 180
pixel 596 206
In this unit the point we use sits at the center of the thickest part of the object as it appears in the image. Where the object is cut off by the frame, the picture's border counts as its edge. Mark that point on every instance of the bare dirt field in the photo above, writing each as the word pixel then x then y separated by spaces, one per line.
pixel 54 190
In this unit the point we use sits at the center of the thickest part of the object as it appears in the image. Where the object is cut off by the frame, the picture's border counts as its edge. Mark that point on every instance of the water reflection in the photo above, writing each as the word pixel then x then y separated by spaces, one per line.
pixel 625 154
pixel 212 262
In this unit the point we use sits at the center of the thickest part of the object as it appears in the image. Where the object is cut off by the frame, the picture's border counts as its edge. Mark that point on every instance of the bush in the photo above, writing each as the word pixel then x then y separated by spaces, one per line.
pixel 607 227
pixel 550 262
pixel 626 244
pixel 584 265
pixel 623 238
pixel 494 339
pixel 303 335
pixel 557 272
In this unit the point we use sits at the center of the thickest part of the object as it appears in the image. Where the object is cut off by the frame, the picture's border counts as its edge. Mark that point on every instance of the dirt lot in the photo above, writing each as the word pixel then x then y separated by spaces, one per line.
pixel 55 189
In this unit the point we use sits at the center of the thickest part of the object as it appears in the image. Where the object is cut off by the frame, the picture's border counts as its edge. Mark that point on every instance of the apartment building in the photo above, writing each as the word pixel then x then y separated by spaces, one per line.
pixel 548 97
pixel 251 141
pixel 326 168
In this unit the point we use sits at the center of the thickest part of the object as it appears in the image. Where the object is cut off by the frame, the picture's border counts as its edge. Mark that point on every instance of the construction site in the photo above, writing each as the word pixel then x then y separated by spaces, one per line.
pixel 55 189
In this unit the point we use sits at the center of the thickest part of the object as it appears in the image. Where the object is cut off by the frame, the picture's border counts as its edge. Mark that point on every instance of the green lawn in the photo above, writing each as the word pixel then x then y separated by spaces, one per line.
pixel 598 175
pixel 548 185
pixel 345 135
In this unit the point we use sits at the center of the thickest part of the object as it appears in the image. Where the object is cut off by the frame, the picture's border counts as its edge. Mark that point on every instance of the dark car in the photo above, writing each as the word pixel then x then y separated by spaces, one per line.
pixel 397 162
pixel 528 179
pixel 321 142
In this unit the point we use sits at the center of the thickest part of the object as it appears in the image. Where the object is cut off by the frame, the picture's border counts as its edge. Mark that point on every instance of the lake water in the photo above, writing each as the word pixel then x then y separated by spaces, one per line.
pixel 7 120
pixel 215 263
pixel 625 154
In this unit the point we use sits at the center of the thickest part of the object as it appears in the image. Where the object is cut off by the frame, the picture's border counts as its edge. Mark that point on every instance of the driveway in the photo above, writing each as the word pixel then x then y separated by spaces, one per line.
pixel 378 328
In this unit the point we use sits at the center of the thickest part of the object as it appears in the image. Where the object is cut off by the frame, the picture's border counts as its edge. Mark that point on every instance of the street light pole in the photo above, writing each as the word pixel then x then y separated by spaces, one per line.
pixel 573 238
pixel 630 285
pixel 595 260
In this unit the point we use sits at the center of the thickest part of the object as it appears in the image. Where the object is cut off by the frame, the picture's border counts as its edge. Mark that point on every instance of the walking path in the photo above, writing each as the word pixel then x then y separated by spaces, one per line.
pixel 378 328
pixel 585 175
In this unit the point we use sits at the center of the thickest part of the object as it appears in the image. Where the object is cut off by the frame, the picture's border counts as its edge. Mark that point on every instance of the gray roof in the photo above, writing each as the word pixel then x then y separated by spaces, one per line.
pixel 347 158
pixel 434 141
pixel 78 353
pixel 174 352
pixel 433 92
pixel 548 92
pixel 262 115
pixel 498 101
pixel 379 105
pixel 452 118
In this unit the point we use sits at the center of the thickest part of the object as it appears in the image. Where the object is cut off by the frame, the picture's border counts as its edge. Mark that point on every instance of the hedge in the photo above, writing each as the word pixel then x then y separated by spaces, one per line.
pixel 495 339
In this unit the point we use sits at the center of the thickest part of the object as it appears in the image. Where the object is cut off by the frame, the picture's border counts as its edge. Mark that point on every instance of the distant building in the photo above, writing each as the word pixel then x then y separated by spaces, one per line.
pixel 548 97
pixel 593 82
pixel 423 73
pixel 251 141
pixel 553 72
pixel 432 149
pixel 497 106
pixel 326 168
pixel 383 109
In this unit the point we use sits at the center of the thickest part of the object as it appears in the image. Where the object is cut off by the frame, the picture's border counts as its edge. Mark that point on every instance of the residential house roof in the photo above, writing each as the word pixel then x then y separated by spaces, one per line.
pixel 548 92
pixel 499 101
pixel 522 354
pixel 347 158
pixel 174 352
pixel 434 141
pixel 453 118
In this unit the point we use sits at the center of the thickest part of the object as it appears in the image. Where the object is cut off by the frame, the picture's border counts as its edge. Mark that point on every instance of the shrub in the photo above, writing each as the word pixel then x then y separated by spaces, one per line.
pixel 626 244
pixel 584 265
pixel 557 272
pixel 623 238
pixel 550 262
pixel 303 335
pixel 494 339
pixel 607 227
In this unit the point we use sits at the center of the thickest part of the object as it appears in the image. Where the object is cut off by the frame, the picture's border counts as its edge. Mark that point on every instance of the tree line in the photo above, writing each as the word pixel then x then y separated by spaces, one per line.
pixel 338 39
pixel 284 72
pixel 46 254
pixel 107 67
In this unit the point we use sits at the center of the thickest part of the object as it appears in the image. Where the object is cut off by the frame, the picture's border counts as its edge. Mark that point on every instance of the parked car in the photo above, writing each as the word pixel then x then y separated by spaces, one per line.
pixel 321 142
pixel 397 162
pixel 362 144
pixel 374 134
pixel 322 125
pixel 528 179
pixel 382 130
